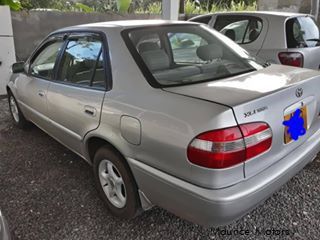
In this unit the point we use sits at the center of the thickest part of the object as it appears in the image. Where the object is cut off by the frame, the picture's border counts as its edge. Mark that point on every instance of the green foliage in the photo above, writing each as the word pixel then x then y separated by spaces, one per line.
pixel 191 8
pixel 13 4
pixel 155 8
pixel 241 6
pixel 123 5
pixel 220 6
pixel 151 8
pixel 136 6
pixel 62 5
pixel 83 8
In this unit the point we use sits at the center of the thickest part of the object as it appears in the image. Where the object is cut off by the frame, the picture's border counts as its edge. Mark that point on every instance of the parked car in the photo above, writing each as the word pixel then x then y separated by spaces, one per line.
pixel 276 37
pixel 4 229
pixel 171 114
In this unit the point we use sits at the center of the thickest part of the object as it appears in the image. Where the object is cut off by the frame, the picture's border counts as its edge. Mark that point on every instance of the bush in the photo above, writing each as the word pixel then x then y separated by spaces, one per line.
pixel 151 8
pixel 13 4
pixel 220 6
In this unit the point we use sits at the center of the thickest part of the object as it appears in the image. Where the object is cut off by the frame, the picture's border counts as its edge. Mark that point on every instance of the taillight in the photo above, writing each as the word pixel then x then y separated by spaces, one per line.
pixel 294 59
pixel 227 147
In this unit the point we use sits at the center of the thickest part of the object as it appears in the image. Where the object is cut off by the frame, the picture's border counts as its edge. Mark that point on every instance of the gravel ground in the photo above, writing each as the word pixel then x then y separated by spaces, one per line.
pixel 47 192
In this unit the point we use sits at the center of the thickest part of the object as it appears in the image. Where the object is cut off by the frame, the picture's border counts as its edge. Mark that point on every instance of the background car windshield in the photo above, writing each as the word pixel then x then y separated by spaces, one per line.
pixel 178 55
pixel 302 32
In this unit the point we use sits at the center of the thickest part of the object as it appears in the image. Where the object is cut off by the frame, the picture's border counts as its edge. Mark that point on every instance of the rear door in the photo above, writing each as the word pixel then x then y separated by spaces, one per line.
pixel 248 31
pixel 303 35
pixel 75 98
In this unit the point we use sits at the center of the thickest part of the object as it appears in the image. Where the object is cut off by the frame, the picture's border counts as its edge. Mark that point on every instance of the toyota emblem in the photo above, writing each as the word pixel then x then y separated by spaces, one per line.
pixel 299 92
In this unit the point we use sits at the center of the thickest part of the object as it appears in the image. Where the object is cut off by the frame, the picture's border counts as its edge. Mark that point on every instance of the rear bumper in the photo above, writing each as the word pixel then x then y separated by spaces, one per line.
pixel 214 207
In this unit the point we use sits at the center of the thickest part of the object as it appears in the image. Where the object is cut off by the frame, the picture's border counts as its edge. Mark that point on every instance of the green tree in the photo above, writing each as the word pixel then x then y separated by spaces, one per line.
pixel 123 5
pixel 14 5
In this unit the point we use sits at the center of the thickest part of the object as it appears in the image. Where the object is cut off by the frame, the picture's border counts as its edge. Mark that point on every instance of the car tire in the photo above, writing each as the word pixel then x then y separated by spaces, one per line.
pixel 16 114
pixel 115 183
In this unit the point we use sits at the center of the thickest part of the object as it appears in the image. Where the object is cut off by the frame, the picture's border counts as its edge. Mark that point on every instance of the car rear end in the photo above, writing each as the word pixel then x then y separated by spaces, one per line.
pixel 303 43
pixel 260 141
pixel 231 162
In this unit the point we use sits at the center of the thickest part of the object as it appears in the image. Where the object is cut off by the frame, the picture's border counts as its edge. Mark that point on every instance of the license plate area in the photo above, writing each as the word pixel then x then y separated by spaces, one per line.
pixel 287 117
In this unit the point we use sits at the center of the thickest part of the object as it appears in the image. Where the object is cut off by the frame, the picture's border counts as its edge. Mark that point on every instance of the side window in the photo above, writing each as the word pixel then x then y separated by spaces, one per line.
pixel 82 62
pixel 253 31
pixel 184 47
pixel 240 29
pixel 302 32
pixel 236 30
pixel 43 64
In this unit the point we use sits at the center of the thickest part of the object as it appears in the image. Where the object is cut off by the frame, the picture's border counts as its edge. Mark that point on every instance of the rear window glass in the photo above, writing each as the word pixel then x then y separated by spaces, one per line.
pixel 189 54
pixel 302 32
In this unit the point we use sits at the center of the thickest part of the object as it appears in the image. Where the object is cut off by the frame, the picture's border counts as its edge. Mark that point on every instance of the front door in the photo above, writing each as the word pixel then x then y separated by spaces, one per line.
pixel 32 87
pixel 75 98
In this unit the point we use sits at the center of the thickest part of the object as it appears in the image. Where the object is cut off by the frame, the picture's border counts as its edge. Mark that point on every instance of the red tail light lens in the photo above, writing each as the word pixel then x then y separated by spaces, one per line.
pixel 227 147
pixel 294 59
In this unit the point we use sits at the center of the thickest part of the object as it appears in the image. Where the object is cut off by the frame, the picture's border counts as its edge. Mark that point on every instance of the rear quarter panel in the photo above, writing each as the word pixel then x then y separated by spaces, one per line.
pixel 275 40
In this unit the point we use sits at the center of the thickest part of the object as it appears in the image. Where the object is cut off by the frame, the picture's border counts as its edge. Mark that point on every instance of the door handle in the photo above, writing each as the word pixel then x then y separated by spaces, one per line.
pixel 41 93
pixel 90 111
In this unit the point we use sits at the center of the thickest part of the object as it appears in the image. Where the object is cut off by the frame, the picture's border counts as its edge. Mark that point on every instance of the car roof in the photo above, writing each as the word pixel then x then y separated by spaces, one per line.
pixel 126 24
pixel 258 13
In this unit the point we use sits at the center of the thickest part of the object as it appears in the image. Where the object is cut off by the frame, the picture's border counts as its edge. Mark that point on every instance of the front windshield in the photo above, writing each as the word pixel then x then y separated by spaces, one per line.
pixel 184 54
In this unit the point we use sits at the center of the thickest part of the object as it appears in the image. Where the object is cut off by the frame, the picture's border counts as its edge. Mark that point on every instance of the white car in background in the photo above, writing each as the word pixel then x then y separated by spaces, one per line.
pixel 276 37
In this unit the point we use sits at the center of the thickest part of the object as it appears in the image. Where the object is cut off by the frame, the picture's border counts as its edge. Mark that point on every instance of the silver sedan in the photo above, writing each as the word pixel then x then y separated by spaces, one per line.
pixel 171 114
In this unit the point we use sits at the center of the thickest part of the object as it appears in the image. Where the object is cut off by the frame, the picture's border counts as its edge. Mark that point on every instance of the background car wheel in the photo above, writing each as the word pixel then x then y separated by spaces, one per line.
pixel 115 183
pixel 16 113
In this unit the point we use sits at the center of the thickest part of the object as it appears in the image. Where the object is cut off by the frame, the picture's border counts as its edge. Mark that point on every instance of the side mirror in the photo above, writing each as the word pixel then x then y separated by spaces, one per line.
pixel 18 67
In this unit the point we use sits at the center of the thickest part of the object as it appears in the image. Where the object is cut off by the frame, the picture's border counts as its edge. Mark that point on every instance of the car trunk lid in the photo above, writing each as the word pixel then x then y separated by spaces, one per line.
pixel 266 96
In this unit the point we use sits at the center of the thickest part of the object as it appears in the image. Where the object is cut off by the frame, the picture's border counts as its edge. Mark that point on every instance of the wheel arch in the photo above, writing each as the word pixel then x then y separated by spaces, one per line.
pixel 94 143
pixel 8 90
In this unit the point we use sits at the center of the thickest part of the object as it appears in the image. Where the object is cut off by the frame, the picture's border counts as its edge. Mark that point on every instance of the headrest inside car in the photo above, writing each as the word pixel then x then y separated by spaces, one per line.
pixel 156 60
pixel 230 33
pixel 209 52
pixel 148 46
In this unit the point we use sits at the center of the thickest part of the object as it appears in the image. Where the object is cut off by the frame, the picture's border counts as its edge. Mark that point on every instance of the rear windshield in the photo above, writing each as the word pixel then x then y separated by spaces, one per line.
pixel 174 55
pixel 302 32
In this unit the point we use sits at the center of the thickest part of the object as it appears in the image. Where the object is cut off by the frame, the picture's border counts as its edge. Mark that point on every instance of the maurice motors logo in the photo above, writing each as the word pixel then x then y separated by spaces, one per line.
pixel 255 232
